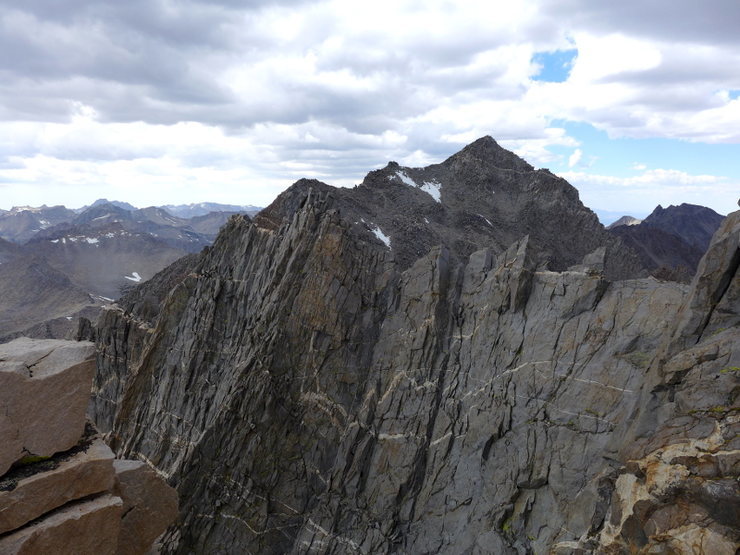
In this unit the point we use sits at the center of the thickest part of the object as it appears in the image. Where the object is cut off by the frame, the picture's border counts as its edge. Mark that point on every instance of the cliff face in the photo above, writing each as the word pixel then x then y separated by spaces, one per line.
pixel 308 388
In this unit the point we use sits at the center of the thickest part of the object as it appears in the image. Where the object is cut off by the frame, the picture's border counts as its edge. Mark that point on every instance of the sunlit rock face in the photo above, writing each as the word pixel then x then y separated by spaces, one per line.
pixel 443 359
pixel 60 490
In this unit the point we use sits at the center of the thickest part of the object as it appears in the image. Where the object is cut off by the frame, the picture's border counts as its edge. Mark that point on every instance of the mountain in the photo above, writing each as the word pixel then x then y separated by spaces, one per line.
pixel 22 222
pixel 671 241
pixel 34 294
pixel 116 203
pixel 210 224
pixel 203 208
pixel 624 220
pixel 374 370
pixel 694 224
pixel 482 196
pixel 8 250
pixel 72 262
pixel 104 260
pixel 69 270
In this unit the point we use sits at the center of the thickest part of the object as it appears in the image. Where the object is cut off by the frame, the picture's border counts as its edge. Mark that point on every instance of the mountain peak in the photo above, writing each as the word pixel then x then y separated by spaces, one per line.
pixel 116 203
pixel 693 223
pixel 624 220
pixel 487 151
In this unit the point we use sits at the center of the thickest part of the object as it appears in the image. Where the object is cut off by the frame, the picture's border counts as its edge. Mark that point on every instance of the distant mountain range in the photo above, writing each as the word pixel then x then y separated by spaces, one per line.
pixel 203 208
pixel 21 223
pixel 57 263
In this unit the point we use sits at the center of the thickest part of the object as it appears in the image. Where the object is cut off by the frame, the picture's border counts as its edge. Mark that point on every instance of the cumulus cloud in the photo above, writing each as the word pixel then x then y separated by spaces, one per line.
pixel 575 158
pixel 639 193
pixel 331 89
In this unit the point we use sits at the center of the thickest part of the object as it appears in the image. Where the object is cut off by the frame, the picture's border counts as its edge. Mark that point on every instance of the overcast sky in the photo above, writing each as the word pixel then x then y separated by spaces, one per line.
pixel 635 102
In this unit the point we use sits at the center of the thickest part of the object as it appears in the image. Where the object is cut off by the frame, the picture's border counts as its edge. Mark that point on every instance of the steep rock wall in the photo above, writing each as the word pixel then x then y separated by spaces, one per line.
pixel 305 393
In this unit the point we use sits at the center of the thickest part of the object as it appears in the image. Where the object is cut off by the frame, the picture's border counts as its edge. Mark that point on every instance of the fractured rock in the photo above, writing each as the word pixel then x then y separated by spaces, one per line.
pixel 149 506
pixel 90 526
pixel 309 388
pixel 85 473
pixel 44 391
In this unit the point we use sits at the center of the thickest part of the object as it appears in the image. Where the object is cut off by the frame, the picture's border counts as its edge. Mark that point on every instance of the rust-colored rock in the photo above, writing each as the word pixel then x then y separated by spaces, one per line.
pixel 88 472
pixel 149 506
pixel 83 527
pixel 44 391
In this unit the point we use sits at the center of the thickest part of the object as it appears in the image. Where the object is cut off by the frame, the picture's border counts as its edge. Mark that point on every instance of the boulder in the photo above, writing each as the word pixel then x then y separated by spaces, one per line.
pixel 59 480
pixel 44 391
pixel 90 526
pixel 149 506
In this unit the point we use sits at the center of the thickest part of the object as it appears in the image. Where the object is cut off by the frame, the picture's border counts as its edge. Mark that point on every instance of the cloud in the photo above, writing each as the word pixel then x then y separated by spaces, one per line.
pixel 332 89
pixel 575 158
pixel 642 192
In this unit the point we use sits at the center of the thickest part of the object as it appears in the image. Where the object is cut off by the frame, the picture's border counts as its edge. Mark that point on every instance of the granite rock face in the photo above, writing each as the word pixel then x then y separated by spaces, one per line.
pixel 149 506
pixel 45 386
pixel 89 526
pixel 317 382
pixel 87 472
pixel 62 493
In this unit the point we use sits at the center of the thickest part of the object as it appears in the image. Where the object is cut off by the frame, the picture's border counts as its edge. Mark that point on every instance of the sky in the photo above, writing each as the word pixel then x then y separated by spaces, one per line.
pixel 636 103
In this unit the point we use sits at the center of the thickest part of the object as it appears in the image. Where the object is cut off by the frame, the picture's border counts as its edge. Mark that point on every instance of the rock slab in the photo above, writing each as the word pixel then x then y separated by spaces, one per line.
pixel 86 527
pixel 149 506
pixel 44 391
pixel 87 472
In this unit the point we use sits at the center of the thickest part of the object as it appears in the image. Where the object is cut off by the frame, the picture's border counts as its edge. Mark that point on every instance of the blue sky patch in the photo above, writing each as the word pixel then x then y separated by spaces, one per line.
pixel 618 156
pixel 556 65
pixel 734 94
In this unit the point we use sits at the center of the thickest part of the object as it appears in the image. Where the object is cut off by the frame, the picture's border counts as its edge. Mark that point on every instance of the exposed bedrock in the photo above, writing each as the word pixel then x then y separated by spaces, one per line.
pixel 306 393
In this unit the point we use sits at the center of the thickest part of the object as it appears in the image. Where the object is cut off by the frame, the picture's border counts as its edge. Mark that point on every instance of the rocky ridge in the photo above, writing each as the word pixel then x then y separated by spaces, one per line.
pixel 379 370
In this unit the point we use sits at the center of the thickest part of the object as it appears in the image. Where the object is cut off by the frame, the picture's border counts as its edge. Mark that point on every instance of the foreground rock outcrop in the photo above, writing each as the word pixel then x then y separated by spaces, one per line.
pixel 64 494
pixel 314 384
pixel 45 388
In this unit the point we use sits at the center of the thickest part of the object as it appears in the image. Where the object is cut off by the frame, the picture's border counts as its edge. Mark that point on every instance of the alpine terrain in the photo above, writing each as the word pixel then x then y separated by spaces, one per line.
pixel 450 359
pixel 64 265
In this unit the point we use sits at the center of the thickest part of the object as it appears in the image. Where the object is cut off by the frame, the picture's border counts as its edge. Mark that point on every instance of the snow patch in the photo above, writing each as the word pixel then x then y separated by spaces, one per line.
pixel 377 232
pixel 382 236
pixel 433 189
pixel 68 317
pixel 406 179
pixel 426 221
pixel 487 220
pixel 55 240
pixel 134 277
pixel 91 240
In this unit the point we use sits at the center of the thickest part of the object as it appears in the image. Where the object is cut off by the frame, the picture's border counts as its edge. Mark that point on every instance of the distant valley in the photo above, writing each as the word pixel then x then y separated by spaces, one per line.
pixel 58 264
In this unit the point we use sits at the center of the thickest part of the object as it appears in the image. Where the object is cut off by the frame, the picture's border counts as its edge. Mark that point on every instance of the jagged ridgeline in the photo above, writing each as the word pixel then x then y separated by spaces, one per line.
pixel 446 359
